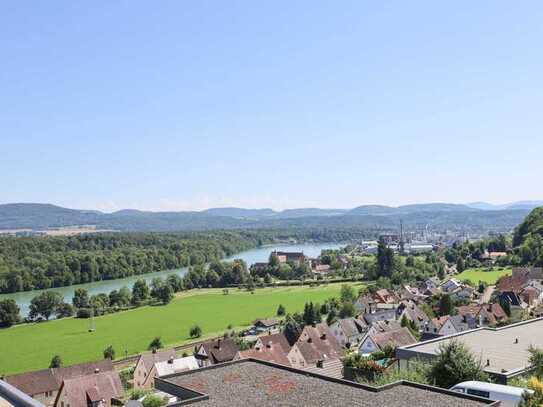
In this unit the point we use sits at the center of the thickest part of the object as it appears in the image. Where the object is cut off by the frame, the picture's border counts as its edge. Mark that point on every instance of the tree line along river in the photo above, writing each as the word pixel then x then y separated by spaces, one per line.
pixel 259 254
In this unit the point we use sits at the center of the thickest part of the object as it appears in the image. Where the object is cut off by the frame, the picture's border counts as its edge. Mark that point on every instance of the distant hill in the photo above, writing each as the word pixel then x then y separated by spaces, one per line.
pixel 240 212
pixel 376 217
pixel 41 216
pixel 527 205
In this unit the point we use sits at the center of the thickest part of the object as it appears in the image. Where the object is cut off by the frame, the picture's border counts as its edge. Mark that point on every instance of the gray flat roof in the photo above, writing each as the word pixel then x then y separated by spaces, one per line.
pixel 499 346
pixel 249 382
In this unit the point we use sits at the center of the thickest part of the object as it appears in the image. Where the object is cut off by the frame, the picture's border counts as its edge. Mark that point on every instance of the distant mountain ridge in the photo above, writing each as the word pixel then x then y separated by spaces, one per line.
pixel 47 216
pixel 529 205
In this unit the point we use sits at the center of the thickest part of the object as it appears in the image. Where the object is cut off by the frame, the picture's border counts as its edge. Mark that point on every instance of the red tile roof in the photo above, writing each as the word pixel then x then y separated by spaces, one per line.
pixel 93 387
pixel 269 352
pixel 41 381
pixel 317 343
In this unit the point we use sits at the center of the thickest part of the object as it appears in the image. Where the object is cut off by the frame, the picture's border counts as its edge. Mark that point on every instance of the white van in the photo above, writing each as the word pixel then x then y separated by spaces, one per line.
pixel 509 396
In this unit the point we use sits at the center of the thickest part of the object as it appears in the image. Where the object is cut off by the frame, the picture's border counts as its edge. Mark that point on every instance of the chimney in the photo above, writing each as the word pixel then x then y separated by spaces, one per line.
pixel 219 343
pixel 323 336
pixel 309 340
pixel 170 360
pixel 488 362
pixel 516 340
pixel 269 345
pixel 96 370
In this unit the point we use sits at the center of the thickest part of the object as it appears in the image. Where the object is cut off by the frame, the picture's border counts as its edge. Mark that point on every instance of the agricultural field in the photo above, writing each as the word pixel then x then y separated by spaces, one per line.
pixel 30 347
pixel 483 274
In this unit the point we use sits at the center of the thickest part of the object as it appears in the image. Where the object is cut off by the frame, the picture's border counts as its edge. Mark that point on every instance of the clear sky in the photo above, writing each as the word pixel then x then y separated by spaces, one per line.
pixel 174 105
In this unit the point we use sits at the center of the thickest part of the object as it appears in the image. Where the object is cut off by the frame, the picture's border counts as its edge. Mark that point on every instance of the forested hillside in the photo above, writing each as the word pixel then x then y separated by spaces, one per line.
pixel 528 239
pixel 38 263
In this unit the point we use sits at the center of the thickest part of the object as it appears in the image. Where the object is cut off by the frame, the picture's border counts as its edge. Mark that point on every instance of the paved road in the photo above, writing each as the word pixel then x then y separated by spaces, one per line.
pixel 485 298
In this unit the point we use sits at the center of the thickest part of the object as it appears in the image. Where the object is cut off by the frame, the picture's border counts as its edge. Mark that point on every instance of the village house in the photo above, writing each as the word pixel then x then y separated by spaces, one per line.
pixel 99 389
pixel 316 347
pixel 465 292
pixel 275 339
pixel 176 365
pixel 384 296
pixel 296 258
pixel 145 370
pixel 43 385
pixel 434 325
pixel 451 285
pixel 217 351
pixel 383 326
pixel 454 324
pixel 411 293
pixel 430 283
pixel 530 273
pixel 484 314
pixel 348 331
pixel 321 269
pixel 267 351
pixel 378 342
pixel 413 313
pixel 383 315
pixel 266 325
pixel 365 304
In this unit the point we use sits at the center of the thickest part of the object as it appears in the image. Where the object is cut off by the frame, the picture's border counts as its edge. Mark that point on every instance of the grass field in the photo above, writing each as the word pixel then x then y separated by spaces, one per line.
pixel 482 274
pixel 30 347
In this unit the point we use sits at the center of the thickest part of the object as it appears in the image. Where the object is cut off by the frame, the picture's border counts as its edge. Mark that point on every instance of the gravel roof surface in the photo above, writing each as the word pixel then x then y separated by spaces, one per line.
pixel 252 383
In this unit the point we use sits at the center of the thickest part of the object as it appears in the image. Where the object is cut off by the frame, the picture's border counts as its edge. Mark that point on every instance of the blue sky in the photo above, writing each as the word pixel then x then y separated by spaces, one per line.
pixel 176 105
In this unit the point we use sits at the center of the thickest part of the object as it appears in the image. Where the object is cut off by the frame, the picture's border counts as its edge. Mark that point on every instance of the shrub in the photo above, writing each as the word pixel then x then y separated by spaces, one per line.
pixel 155 344
pixel 83 313
pixel 109 352
pixel 152 400
pixel 455 364
pixel 56 361
pixel 136 394
pixel 281 311
pixel 195 331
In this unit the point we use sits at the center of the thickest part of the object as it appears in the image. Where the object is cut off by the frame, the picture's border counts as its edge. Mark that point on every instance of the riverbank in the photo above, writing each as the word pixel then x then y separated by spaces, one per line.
pixel 31 346
pixel 106 286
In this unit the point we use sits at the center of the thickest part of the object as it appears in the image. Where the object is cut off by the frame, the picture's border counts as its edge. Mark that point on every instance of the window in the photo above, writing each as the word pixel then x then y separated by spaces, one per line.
pixel 479 393
pixel 459 390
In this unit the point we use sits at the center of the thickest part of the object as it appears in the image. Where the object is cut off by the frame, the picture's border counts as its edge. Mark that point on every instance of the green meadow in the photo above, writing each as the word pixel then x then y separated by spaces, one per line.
pixel 31 346
pixel 482 274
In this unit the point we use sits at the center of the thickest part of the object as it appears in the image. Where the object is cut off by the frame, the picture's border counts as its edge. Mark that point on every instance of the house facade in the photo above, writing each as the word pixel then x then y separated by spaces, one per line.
pixel 145 370
pixel 315 346
pixel 378 342
pixel 218 351
pixel 348 331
